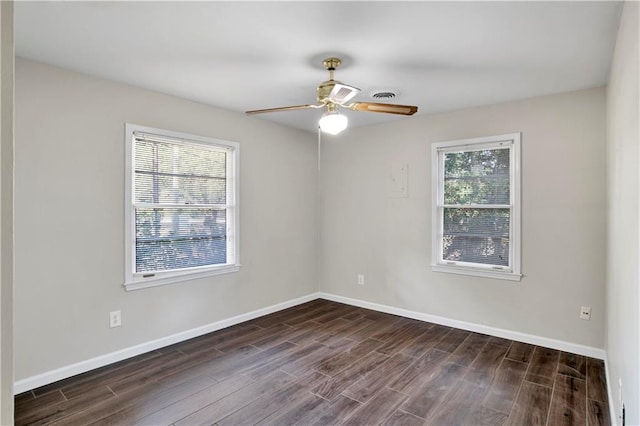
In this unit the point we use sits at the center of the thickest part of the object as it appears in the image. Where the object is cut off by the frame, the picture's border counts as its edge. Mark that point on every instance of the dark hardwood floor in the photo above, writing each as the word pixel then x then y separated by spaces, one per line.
pixel 326 363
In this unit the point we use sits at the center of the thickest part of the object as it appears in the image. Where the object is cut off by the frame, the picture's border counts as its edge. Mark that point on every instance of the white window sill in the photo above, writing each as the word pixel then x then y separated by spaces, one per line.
pixel 138 282
pixel 506 275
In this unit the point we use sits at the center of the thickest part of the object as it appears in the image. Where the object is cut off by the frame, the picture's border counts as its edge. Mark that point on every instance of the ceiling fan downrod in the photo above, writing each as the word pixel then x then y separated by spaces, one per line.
pixel 331 64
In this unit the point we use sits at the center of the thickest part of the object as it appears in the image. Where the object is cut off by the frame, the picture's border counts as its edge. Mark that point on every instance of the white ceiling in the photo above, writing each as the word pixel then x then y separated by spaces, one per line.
pixel 440 56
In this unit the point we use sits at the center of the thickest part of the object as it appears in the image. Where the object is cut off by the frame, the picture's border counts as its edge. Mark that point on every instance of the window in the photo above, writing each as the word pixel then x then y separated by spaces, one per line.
pixel 181 207
pixel 476 207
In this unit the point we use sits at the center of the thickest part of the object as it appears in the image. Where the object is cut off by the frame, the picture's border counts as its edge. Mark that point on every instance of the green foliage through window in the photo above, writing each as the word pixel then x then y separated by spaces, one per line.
pixel 477 177
pixel 471 232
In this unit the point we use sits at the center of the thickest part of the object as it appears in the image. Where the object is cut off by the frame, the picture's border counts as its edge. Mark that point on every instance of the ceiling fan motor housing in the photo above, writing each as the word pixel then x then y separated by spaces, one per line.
pixel 324 89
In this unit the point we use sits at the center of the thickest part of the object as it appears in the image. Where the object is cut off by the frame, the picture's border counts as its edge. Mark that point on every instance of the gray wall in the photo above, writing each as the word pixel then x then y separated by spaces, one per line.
pixel 69 210
pixel 563 218
pixel 623 279
pixel 69 176
pixel 6 212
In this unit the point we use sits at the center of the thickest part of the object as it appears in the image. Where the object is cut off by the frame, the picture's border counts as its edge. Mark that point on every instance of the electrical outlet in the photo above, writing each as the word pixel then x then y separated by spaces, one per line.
pixel 115 319
pixel 360 279
pixel 585 313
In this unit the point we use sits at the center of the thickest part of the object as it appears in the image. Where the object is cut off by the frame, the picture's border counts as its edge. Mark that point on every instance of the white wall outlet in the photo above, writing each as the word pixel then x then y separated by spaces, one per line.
pixel 585 313
pixel 115 319
pixel 360 279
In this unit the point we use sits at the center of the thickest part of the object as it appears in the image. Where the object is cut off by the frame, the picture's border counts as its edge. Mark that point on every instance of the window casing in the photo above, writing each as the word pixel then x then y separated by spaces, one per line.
pixel 181 210
pixel 476 207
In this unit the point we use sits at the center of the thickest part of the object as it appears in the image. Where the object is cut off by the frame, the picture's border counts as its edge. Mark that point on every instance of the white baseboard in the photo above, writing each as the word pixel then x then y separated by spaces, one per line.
pixel 498 332
pixel 612 411
pixel 102 360
pixel 110 358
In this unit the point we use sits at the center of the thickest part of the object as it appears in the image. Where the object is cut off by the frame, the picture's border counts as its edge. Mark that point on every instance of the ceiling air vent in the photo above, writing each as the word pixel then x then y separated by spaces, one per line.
pixel 382 95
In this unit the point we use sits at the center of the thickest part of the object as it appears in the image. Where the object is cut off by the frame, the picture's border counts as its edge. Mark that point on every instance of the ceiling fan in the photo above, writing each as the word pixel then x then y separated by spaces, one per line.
pixel 332 94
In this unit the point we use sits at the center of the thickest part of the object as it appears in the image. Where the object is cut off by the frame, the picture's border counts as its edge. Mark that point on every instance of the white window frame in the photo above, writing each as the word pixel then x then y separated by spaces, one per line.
pixel 513 271
pixel 134 280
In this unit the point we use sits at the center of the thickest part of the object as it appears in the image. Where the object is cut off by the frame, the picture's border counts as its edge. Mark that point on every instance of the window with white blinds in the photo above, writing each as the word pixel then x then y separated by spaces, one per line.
pixel 181 207
pixel 476 206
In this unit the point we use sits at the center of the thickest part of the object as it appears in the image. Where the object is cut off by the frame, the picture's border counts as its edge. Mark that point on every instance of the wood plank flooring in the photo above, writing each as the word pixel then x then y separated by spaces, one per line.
pixel 326 363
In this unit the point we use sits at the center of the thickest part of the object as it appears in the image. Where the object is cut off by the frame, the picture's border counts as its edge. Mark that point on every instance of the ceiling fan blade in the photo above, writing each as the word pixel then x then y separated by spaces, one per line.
pixel 288 108
pixel 386 108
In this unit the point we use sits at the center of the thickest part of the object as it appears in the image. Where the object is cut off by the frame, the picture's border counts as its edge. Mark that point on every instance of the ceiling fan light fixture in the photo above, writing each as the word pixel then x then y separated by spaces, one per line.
pixel 333 122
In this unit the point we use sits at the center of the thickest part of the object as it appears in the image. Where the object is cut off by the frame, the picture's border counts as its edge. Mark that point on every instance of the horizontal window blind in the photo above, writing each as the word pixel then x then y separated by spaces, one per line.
pixel 476 236
pixel 180 204
pixel 171 238
pixel 172 173
pixel 475 206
